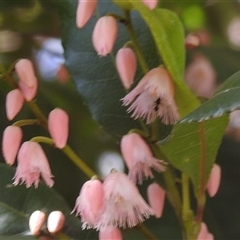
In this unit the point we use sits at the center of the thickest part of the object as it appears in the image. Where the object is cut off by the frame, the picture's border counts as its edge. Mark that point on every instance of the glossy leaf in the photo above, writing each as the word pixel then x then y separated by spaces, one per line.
pixel 226 99
pixel 18 202
pixel 192 148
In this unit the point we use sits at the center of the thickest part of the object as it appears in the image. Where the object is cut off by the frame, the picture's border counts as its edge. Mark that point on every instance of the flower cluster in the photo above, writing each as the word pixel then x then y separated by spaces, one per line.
pixel 32 161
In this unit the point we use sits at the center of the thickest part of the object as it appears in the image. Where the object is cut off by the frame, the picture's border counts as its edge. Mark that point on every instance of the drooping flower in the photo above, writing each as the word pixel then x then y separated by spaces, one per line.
pixel 36 222
pixel 156 197
pixel 90 203
pixel 27 79
pixel 85 10
pixel 151 4
pixel 14 103
pixel 124 206
pixel 139 158
pixel 58 127
pixel 110 233
pixel 153 97
pixel 55 221
pixel 104 35
pixel 32 163
pixel 126 64
pixel 12 137
pixel 214 180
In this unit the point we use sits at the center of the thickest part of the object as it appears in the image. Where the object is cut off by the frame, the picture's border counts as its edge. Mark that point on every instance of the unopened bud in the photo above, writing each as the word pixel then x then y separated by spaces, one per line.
pixel 12 137
pixel 14 103
pixel 55 221
pixel 85 10
pixel 192 41
pixel 104 35
pixel 151 4
pixel 110 232
pixel 58 127
pixel 214 180
pixel 36 222
pixel 126 64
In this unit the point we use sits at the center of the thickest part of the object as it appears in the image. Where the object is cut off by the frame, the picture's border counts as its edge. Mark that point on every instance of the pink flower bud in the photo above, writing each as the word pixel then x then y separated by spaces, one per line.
pixel 110 233
pixel 14 103
pixel 32 162
pixel 90 203
pixel 55 221
pixel 192 41
pixel 139 158
pixel 126 64
pixel 85 10
pixel 214 180
pixel 204 234
pixel 36 222
pixel 12 137
pixel 104 35
pixel 151 4
pixel 27 79
pixel 156 197
pixel 58 128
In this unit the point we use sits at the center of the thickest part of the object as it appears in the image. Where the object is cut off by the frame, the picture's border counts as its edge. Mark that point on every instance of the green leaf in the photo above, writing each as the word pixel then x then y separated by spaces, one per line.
pixel 226 99
pixel 96 78
pixel 17 203
pixel 168 34
pixel 192 148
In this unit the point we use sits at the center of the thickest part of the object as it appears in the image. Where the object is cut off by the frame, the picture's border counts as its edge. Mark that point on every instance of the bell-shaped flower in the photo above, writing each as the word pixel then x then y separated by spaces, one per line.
pixel 36 222
pixel 58 127
pixel 32 163
pixel 11 140
pixel 139 158
pixel 153 97
pixel 14 103
pixel 126 64
pixel 27 79
pixel 214 180
pixel 90 203
pixel 85 10
pixel 151 4
pixel 110 233
pixel 156 197
pixel 124 206
pixel 55 221
pixel 104 35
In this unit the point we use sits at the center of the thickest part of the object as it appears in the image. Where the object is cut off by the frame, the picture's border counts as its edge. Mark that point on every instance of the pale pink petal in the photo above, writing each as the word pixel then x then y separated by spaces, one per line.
pixel 55 221
pixel 139 158
pixel 110 233
pixel 126 64
pixel 12 137
pixel 151 4
pixel 90 203
pixel 32 163
pixel 153 97
pixel 14 103
pixel 104 35
pixel 156 197
pixel 214 180
pixel 58 127
pixel 85 10
pixel 36 222
pixel 192 41
pixel 125 207
pixel 203 232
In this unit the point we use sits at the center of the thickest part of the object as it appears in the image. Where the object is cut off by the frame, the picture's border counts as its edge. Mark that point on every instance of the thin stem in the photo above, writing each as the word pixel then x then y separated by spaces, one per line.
pixel 136 45
pixel 26 122
pixel 185 195
pixel 70 153
pixel 141 228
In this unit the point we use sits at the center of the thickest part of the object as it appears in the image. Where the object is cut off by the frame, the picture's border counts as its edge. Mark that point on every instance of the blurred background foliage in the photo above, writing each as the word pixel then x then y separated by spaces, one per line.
pixel 31 29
